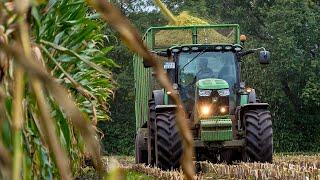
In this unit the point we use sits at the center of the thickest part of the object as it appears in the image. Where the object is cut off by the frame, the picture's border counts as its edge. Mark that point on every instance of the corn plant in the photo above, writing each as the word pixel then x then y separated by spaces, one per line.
pixel 132 39
pixel 50 53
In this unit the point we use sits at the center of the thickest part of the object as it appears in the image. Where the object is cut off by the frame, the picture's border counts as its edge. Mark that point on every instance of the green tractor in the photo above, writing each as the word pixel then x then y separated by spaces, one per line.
pixel 227 120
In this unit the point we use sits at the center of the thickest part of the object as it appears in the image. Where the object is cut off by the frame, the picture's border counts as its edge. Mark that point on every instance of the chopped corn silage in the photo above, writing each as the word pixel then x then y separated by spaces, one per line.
pixel 185 19
pixel 166 38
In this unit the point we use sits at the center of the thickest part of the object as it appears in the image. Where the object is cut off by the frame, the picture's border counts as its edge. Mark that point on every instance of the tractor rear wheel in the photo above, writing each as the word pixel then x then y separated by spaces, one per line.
pixel 151 132
pixel 259 141
pixel 140 153
pixel 168 142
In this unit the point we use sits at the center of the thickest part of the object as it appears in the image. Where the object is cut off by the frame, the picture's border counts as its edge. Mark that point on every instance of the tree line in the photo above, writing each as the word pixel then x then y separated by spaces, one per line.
pixel 290 84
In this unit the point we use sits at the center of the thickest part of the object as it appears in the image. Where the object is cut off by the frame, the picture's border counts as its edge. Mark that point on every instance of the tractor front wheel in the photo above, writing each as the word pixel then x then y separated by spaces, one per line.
pixel 259 141
pixel 168 144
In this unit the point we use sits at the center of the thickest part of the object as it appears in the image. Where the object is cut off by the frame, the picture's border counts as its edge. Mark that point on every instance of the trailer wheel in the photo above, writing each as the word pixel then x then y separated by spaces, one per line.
pixel 168 147
pixel 259 141
pixel 151 132
pixel 141 155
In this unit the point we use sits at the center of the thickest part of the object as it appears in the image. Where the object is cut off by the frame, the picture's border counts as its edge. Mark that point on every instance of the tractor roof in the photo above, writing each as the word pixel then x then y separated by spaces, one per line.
pixel 205 48
pixel 199 48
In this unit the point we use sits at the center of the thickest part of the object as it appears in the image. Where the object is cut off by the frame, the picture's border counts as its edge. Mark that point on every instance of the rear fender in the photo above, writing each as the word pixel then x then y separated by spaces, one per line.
pixel 242 109
pixel 165 108
pixel 157 95
pixel 253 96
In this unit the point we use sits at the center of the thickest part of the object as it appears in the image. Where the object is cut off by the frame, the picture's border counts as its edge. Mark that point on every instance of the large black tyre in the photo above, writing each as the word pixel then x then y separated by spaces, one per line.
pixel 168 142
pixel 141 155
pixel 151 132
pixel 259 140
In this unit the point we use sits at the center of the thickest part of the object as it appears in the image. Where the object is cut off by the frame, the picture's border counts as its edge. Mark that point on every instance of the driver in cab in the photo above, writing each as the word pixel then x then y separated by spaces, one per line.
pixel 187 93
pixel 204 70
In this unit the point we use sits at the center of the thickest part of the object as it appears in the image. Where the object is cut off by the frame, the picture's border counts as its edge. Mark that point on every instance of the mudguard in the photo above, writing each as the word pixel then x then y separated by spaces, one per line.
pixel 254 106
pixel 163 108
pixel 252 96
pixel 242 109
pixel 157 95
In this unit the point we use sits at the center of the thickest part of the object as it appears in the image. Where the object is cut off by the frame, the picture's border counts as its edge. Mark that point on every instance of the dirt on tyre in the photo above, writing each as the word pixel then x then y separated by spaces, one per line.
pixel 151 132
pixel 168 144
pixel 259 136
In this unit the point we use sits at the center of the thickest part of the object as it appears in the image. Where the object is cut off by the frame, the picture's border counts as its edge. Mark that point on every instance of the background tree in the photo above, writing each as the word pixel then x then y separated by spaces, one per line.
pixel 120 131
pixel 289 30
pixel 290 84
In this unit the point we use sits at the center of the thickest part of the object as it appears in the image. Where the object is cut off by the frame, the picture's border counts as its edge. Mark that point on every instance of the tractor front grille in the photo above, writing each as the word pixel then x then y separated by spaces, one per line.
pixel 216 130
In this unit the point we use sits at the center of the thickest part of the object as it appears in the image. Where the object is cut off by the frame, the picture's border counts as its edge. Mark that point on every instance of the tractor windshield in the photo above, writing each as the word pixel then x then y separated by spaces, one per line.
pixel 195 66
pixel 201 65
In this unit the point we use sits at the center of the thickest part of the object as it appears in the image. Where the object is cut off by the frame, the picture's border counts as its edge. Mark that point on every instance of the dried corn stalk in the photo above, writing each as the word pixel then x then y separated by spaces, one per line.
pixel 44 129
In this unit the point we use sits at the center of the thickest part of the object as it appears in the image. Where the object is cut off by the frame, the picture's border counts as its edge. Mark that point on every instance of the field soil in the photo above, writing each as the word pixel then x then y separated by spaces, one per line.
pixel 283 167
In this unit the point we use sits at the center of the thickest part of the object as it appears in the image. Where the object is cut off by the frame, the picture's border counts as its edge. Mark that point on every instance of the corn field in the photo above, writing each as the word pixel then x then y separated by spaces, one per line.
pixel 50 53
pixel 55 87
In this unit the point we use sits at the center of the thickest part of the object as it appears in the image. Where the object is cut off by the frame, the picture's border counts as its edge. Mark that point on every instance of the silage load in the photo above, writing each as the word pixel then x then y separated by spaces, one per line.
pixel 166 38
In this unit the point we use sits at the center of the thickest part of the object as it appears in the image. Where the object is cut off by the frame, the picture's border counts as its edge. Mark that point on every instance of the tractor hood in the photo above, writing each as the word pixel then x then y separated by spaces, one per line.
pixel 212 83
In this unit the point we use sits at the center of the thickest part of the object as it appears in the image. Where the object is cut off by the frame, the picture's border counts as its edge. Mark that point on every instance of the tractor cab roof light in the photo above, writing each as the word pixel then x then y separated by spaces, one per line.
pixel 175 50
pixel 195 48
pixel 218 48
pixel 228 48
pixel 185 49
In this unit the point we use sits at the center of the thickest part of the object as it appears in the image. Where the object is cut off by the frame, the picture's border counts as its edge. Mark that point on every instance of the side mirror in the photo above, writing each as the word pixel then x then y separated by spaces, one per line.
pixel 264 57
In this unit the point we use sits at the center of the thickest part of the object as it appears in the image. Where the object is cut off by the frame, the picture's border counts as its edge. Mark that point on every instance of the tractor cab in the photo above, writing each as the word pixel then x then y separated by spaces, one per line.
pixel 206 75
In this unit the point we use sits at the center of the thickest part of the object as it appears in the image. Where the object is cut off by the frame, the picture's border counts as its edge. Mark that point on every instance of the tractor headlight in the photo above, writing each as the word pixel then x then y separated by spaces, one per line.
pixel 205 92
pixel 223 110
pixel 224 92
pixel 205 110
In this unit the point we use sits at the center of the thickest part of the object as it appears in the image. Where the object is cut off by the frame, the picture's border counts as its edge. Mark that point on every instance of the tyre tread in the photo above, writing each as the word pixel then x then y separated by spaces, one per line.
pixel 168 141
pixel 259 136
